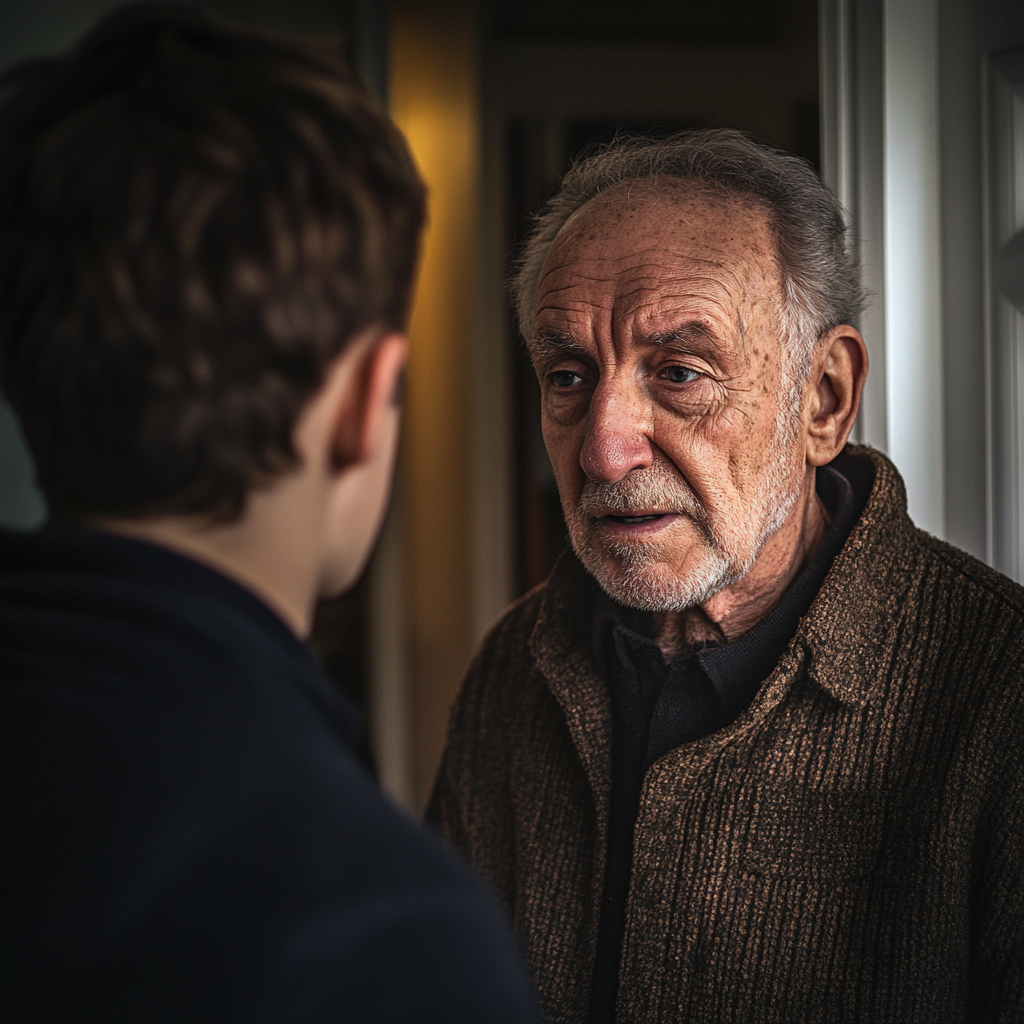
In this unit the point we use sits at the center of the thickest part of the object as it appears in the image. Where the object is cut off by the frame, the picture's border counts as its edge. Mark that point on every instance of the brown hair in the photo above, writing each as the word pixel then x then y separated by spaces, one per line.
pixel 194 220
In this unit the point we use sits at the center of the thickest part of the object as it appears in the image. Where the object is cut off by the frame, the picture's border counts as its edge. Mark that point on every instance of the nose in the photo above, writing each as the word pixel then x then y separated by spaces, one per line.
pixel 618 432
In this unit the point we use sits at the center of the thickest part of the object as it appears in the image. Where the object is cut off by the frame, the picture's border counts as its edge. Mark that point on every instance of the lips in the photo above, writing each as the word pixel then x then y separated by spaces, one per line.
pixel 636 523
pixel 632 520
pixel 646 501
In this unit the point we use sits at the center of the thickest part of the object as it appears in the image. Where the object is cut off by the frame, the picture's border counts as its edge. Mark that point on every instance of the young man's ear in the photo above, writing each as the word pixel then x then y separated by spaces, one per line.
pixel 371 396
pixel 838 381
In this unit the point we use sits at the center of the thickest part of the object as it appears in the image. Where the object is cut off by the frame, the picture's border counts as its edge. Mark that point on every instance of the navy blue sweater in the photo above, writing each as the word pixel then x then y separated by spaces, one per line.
pixel 188 833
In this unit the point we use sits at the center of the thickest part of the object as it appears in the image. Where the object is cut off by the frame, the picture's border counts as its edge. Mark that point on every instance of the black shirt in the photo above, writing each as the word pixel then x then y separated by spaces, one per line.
pixel 188 833
pixel 657 707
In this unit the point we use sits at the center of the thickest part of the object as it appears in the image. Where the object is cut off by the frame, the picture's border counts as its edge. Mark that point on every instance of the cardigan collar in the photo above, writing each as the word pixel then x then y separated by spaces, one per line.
pixel 560 643
pixel 850 629
pixel 843 639
pixel 736 669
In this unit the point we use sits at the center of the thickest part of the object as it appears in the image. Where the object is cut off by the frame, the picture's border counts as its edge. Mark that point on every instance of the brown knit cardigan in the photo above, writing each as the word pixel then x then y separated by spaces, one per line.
pixel 850 849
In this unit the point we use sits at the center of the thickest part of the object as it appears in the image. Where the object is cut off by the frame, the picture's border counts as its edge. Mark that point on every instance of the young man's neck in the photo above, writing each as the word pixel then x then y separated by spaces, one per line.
pixel 250 552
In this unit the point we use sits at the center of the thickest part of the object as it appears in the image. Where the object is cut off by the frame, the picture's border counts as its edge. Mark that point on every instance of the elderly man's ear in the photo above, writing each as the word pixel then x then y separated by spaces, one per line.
pixel 837 379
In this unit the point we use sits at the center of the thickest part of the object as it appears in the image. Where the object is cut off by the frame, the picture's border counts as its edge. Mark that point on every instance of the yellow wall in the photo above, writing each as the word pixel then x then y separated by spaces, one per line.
pixel 433 91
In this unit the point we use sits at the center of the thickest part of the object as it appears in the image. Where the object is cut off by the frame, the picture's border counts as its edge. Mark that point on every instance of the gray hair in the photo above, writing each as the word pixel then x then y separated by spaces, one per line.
pixel 820 272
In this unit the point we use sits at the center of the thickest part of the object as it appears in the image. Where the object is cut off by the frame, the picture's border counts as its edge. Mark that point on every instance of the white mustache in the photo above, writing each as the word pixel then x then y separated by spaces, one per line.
pixel 645 490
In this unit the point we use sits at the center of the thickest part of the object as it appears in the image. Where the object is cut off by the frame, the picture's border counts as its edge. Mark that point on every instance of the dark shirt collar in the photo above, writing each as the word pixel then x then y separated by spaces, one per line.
pixel 749 659
pixel 635 667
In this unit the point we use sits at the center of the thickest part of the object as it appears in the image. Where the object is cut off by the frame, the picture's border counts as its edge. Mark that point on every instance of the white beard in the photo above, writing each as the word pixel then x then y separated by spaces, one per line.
pixel 636 574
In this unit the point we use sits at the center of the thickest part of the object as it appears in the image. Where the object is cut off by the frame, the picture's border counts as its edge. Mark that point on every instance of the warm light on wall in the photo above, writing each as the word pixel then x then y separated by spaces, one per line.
pixel 433 93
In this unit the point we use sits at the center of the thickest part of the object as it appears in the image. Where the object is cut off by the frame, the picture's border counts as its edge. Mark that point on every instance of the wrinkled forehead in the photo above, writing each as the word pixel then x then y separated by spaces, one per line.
pixel 648 235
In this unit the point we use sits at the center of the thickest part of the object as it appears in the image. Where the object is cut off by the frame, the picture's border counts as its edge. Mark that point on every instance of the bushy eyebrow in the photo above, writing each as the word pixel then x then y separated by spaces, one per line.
pixel 553 344
pixel 693 332
pixel 549 344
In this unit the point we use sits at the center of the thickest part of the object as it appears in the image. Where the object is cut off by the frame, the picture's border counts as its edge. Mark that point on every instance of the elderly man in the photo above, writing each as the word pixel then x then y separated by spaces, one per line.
pixel 752 753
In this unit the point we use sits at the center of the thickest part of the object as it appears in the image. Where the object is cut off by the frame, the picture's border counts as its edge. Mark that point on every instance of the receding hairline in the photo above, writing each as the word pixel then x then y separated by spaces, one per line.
pixel 657 187
pixel 662 186
pixel 668 184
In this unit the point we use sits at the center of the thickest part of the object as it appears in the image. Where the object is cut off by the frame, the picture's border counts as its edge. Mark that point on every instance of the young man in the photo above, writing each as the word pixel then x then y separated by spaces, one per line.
pixel 207 242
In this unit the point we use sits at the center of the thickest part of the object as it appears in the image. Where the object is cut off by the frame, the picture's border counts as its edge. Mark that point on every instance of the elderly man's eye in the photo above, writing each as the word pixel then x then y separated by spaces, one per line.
pixel 565 379
pixel 681 374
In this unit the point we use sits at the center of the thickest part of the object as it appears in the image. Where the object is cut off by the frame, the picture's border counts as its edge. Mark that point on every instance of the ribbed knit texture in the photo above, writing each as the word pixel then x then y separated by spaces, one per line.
pixel 851 848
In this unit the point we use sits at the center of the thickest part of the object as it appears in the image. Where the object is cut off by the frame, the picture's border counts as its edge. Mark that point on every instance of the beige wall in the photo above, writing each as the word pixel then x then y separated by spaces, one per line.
pixel 433 90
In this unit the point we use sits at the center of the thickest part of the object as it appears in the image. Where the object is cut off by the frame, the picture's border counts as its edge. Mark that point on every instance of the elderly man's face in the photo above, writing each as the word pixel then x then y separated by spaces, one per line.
pixel 666 395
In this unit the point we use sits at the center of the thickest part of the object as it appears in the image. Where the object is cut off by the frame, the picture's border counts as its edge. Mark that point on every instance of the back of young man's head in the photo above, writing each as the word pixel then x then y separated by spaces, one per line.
pixel 194 221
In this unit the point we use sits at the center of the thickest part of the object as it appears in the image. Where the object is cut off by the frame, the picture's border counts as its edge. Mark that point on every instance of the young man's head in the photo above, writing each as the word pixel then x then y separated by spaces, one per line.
pixel 198 226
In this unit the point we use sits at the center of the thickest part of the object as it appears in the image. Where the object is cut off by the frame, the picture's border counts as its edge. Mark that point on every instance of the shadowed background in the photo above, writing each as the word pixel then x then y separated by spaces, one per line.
pixel 912 109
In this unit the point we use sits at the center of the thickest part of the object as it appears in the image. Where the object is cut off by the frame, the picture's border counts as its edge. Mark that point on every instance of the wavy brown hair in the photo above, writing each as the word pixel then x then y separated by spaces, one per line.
pixel 194 221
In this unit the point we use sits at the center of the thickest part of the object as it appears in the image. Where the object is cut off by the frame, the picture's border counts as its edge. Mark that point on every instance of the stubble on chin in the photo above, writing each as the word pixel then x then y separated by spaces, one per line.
pixel 643 580
pixel 638 573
